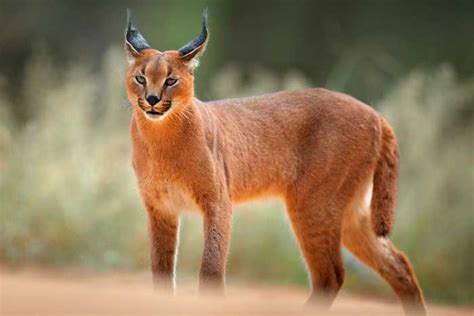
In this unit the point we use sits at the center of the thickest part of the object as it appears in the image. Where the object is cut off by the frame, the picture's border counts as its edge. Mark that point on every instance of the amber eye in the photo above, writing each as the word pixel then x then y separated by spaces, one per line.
pixel 140 79
pixel 170 81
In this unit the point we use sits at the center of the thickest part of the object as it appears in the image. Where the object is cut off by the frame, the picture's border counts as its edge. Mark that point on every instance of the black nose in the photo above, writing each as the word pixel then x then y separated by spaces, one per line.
pixel 152 99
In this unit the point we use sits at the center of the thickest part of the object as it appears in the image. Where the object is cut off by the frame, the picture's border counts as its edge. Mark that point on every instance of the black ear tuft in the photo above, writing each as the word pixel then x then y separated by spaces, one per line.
pixel 133 38
pixel 198 44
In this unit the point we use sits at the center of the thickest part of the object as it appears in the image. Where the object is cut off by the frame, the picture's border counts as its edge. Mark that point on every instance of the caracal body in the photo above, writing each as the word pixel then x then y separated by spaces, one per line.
pixel 332 159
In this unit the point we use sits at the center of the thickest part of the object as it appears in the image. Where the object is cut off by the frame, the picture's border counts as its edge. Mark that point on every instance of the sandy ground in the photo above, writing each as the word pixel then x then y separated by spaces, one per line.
pixel 33 292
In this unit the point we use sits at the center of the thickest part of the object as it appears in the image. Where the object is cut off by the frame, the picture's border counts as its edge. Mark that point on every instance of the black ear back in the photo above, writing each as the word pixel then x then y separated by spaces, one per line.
pixel 134 41
pixel 198 44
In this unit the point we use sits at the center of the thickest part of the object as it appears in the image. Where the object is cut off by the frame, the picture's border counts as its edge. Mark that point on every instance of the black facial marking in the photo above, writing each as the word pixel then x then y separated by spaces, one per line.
pixel 140 103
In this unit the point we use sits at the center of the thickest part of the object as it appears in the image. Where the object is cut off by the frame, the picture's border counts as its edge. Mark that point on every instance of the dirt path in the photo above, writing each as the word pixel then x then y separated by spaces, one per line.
pixel 44 293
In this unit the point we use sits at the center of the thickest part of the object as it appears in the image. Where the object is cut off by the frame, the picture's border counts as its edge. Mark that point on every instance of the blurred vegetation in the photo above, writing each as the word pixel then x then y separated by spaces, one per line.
pixel 67 191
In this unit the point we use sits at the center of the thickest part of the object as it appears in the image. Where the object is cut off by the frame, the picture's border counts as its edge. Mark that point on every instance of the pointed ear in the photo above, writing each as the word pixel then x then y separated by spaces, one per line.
pixel 197 46
pixel 134 41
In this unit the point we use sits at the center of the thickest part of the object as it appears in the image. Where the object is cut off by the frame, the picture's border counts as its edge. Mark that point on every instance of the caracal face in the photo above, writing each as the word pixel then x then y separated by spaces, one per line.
pixel 159 84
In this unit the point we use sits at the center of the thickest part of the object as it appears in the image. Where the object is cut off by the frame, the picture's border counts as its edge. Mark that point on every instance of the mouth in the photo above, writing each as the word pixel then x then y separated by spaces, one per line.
pixel 154 114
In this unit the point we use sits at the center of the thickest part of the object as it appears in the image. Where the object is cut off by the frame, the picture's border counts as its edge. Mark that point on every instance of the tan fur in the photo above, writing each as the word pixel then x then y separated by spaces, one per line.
pixel 385 182
pixel 320 151
pixel 379 253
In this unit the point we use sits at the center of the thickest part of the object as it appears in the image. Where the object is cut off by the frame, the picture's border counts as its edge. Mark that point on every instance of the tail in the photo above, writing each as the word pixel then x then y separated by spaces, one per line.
pixel 385 182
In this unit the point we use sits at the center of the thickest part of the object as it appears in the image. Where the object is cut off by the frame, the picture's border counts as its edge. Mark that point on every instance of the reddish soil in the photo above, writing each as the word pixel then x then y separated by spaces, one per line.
pixel 33 292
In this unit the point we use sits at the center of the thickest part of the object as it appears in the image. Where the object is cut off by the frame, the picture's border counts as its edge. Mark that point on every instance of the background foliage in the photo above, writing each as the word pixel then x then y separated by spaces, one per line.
pixel 67 193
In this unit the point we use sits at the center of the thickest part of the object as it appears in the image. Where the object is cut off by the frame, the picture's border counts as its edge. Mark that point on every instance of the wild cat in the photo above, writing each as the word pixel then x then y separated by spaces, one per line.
pixel 331 158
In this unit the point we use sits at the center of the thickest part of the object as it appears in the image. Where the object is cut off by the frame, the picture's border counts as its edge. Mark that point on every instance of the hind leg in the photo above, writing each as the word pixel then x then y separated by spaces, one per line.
pixel 381 255
pixel 317 226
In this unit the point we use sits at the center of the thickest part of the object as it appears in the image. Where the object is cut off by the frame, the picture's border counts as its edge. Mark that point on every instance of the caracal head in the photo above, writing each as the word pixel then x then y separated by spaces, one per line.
pixel 161 83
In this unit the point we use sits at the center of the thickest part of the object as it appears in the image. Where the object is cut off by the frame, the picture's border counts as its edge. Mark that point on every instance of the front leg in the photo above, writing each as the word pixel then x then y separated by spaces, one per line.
pixel 217 230
pixel 163 235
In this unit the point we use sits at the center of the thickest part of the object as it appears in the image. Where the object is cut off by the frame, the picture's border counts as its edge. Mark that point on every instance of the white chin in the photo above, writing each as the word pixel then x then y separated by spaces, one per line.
pixel 153 116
